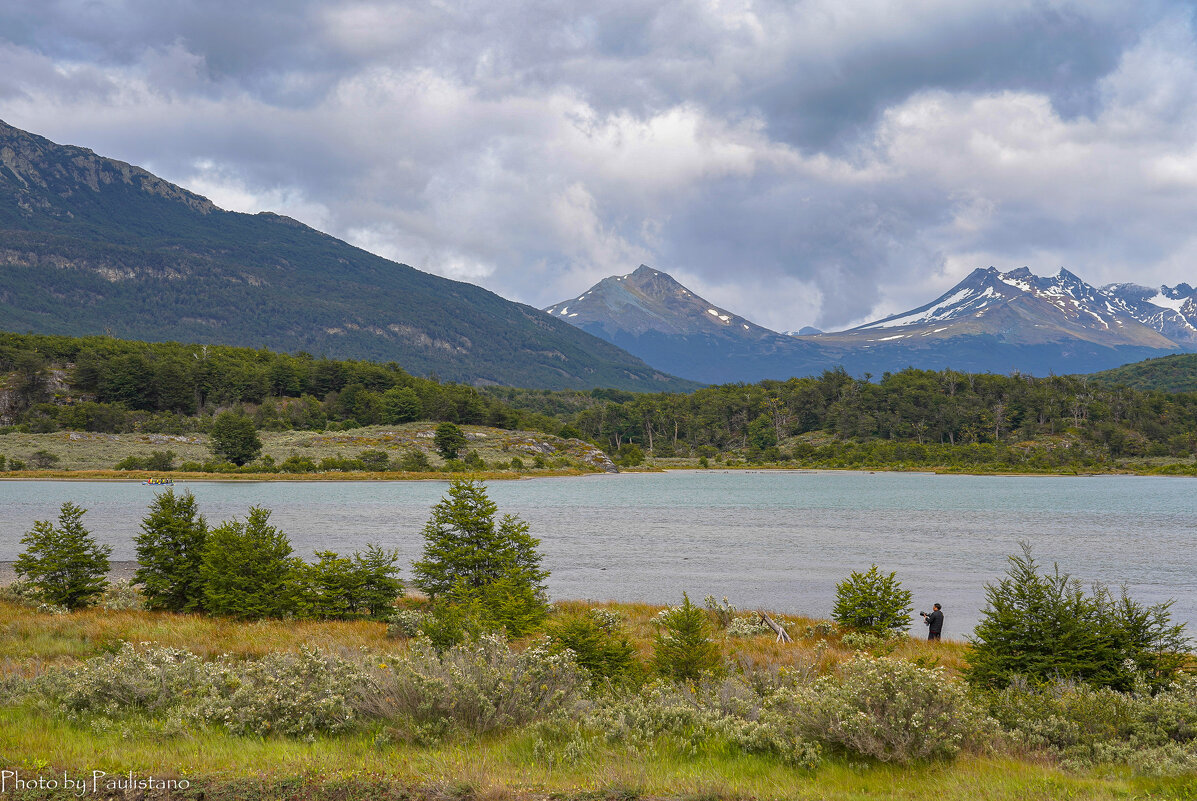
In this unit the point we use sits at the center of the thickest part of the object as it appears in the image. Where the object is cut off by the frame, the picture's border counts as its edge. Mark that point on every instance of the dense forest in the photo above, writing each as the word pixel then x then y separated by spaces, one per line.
pixel 915 416
pixel 909 418
pixel 110 385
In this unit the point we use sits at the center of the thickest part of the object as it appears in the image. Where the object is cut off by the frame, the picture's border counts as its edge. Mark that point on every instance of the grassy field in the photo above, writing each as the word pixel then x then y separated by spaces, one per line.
pixel 385 762
pixel 94 452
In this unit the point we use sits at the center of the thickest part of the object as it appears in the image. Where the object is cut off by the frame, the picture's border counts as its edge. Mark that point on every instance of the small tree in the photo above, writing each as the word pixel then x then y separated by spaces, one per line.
pixel 170 554
pixel 247 569
pixel 327 588
pixel 64 564
pixel 233 437
pixel 378 579
pixel 872 602
pixel 449 440
pixel 684 650
pixel 466 553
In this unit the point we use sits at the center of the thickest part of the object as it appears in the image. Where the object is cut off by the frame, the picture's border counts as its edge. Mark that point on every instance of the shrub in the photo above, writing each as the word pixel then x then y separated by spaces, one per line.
pixel 603 650
pixel 415 461
pixel 1044 626
pixel 474 461
pixel 64 564
pixel 132 679
pixel 892 711
pixel 872 602
pixel 295 695
pixel 122 597
pixel 377 461
pixel 247 568
pixel 297 464
pixel 405 623
pixel 170 553
pixel 630 456
pixel 716 715
pixel 161 461
pixel 684 650
pixel 482 686
pixel 43 459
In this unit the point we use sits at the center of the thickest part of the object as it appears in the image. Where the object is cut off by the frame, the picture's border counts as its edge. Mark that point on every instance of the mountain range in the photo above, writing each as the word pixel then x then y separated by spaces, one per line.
pixel 90 245
pixel 990 322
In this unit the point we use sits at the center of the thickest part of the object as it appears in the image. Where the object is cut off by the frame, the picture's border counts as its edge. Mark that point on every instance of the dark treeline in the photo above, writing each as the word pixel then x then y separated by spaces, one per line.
pixel 921 410
pixel 110 385
pixel 913 416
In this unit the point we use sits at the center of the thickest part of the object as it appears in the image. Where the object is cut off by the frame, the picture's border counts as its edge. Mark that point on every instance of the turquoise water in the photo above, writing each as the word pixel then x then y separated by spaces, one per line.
pixel 780 540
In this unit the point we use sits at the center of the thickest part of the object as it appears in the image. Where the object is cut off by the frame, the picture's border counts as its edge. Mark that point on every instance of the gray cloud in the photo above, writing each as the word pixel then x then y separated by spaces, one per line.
pixel 796 162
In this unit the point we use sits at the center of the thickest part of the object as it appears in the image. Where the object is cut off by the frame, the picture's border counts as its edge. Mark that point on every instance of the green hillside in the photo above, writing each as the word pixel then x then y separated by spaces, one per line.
pixel 89 245
pixel 1167 374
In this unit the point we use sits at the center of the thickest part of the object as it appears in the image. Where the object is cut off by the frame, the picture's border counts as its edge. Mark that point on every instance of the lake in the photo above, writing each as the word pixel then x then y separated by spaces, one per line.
pixel 764 539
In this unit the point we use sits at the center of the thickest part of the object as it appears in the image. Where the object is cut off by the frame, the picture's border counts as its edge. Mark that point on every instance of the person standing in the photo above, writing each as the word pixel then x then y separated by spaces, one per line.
pixel 934 622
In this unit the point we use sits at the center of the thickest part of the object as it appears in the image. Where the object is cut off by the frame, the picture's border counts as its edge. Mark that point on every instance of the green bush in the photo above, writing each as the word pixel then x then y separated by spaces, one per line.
pixel 684 650
pixel 892 711
pixel 160 461
pixel 247 569
pixel 414 461
pixel 1044 626
pixel 170 553
pixel 375 461
pixel 64 565
pixel 872 602
pixel 481 686
pixel 600 648
pixel 1084 725
pixel 297 464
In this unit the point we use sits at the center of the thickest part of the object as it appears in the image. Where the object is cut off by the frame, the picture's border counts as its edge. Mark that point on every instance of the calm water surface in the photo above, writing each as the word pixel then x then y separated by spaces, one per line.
pixel 780 540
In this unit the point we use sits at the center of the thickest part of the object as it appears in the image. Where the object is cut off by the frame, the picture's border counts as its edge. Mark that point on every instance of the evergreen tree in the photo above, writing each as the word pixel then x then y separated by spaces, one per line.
pixel 247 569
pixel 684 650
pixel 1043 626
pixel 449 440
pixel 170 554
pixel 378 581
pixel 466 553
pixel 872 602
pixel 233 437
pixel 65 565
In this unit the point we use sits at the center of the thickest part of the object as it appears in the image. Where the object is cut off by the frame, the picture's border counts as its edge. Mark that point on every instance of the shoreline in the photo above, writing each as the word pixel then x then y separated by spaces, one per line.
pixel 140 477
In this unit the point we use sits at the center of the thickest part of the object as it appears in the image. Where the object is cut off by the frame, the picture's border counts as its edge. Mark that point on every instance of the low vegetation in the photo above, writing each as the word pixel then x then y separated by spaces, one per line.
pixel 573 700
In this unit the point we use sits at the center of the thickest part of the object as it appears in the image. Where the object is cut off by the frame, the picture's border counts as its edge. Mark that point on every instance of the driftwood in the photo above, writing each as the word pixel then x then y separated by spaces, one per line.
pixel 781 633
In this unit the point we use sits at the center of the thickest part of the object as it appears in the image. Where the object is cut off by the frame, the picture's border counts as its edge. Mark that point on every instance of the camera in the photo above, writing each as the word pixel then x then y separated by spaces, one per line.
pixel 924 614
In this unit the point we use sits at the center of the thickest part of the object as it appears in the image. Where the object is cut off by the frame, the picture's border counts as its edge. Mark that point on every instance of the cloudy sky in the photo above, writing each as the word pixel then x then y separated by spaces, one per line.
pixel 806 162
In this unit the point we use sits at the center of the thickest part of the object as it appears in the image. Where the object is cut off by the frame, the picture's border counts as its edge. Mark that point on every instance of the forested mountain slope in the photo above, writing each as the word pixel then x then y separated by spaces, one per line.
pixel 90 245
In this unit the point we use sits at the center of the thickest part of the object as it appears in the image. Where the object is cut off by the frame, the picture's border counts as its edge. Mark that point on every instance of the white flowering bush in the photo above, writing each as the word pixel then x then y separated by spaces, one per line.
pixel 891 711
pixel 482 686
pixel 121 597
pixel 405 623
pixel 729 712
pixel 747 626
pixel 130 680
pixel 295 695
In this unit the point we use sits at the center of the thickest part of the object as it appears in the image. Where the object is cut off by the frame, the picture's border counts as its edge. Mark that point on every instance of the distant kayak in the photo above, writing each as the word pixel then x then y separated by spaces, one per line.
pixel 160 482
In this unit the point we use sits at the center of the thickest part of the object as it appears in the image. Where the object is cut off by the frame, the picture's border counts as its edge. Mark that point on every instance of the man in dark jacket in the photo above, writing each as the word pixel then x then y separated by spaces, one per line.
pixel 934 623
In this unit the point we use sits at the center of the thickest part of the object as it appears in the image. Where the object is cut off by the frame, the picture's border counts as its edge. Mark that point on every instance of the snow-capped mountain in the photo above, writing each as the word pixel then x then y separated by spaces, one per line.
pixel 1019 306
pixel 989 322
pixel 1170 310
